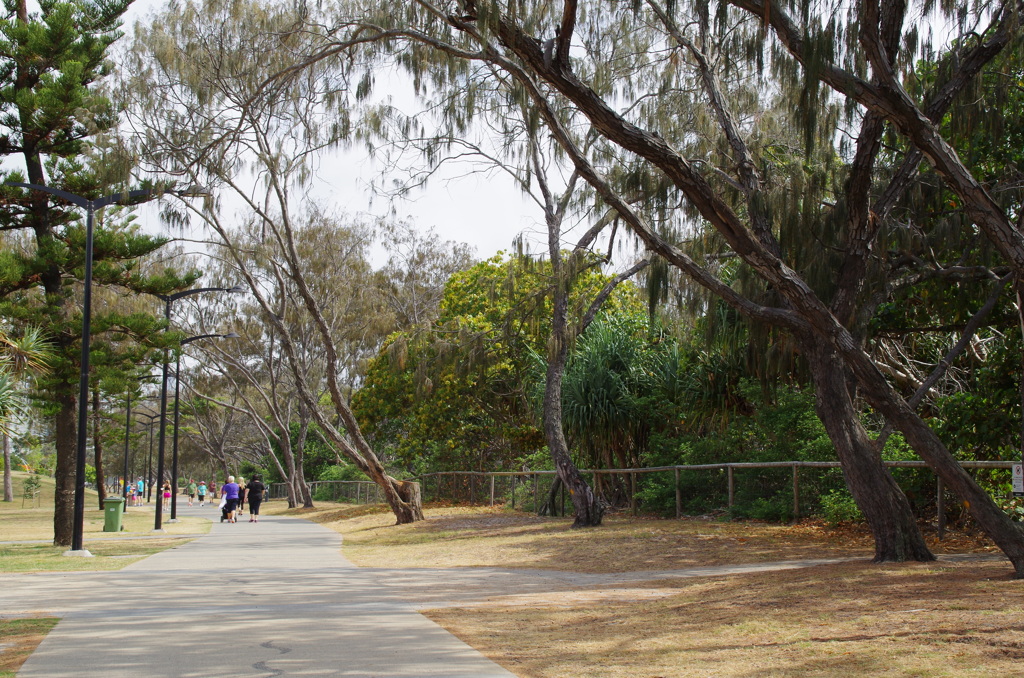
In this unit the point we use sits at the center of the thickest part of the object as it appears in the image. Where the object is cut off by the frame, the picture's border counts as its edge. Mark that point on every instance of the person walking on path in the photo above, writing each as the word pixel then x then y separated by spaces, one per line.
pixel 140 491
pixel 202 493
pixel 241 496
pixel 190 490
pixel 229 492
pixel 166 492
pixel 255 490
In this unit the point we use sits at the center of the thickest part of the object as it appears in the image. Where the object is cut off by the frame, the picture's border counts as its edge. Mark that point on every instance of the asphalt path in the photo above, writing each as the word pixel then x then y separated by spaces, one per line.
pixel 254 600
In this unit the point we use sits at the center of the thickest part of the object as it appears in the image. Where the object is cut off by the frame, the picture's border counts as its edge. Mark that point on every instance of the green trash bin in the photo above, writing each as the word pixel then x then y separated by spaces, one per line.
pixel 112 514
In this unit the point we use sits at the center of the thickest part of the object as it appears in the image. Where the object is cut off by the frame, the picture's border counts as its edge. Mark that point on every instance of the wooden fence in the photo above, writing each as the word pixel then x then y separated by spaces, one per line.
pixel 473 487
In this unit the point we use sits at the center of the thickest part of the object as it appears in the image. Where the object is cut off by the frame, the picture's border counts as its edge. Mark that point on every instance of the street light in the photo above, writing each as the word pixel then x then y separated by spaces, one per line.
pixel 174 449
pixel 168 300
pixel 149 464
pixel 90 207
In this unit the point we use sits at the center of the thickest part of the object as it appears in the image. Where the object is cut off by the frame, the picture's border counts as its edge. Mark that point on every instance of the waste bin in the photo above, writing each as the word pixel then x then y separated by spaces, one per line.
pixel 112 512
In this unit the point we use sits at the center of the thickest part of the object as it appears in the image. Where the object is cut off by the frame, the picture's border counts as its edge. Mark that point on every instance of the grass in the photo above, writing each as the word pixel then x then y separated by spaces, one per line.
pixel 853 618
pixel 18 639
pixel 33 521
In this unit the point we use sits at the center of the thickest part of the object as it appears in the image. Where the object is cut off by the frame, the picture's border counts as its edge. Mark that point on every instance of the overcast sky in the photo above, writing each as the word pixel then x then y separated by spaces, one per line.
pixel 485 211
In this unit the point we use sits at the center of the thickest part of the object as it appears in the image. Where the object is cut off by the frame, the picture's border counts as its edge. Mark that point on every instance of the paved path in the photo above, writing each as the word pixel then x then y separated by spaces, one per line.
pixel 249 600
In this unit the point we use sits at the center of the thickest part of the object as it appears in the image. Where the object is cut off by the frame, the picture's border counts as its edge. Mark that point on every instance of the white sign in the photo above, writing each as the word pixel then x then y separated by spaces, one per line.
pixel 1018 479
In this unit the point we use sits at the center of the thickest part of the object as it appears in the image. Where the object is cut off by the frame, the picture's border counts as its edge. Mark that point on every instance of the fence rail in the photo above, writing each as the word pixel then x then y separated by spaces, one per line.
pixel 522 486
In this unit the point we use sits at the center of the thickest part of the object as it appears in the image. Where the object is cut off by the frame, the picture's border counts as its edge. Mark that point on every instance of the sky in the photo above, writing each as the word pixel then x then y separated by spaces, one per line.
pixel 484 211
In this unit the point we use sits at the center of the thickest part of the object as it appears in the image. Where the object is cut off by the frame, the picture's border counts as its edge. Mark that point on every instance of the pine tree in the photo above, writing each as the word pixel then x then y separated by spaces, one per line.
pixel 51 112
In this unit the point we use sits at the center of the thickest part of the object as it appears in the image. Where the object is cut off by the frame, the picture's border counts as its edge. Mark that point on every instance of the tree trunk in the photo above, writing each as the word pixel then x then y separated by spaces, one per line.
pixel 97 446
pixel 8 480
pixel 65 423
pixel 588 507
pixel 1007 535
pixel 879 497
pixel 550 505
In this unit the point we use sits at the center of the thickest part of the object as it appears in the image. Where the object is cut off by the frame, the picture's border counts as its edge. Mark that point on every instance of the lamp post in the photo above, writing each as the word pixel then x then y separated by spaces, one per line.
pixel 168 300
pixel 90 207
pixel 149 465
pixel 127 440
pixel 174 448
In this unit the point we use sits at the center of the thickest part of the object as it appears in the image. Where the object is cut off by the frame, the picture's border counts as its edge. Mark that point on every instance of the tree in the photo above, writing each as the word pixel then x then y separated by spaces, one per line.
pixel 18 358
pixel 51 109
pixel 734 202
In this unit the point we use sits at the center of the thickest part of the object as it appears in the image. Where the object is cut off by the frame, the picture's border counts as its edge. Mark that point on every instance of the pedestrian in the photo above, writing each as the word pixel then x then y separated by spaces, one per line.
pixel 201 490
pixel 241 496
pixel 255 490
pixel 229 492
pixel 140 491
pixel 190 490
pixel 166 492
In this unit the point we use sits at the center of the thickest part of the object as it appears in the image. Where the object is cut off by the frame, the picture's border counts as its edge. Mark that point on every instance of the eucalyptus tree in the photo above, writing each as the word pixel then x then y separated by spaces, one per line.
pixel 739 213
pixel 204 106
pixel 628 71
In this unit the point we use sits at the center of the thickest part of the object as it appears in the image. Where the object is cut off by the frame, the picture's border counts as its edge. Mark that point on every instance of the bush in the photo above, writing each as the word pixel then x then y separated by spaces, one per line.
pixel 838 507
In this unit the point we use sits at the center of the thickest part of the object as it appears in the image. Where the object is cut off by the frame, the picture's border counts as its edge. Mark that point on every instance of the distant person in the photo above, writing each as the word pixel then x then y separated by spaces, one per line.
pixel 190 490
pixel 229 492
pixel 213 490
pixel 140 491
pixel 201 491
pixel 166 492
pixel 241 496
pixel 255 490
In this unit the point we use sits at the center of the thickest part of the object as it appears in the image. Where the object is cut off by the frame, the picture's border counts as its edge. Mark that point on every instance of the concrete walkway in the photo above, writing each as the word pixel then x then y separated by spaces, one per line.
pixel 249 600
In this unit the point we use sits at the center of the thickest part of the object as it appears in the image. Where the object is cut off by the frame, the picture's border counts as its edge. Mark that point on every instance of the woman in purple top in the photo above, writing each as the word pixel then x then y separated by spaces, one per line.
pixel 229 491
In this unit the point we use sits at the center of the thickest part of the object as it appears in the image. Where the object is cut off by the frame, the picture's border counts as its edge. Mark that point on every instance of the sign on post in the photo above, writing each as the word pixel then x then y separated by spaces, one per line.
pixel 1018 480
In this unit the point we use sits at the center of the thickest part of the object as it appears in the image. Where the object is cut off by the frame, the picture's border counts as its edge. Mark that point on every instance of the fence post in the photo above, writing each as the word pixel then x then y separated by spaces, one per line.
pixel 940 505
pixel 514 476
pixel 632 492
pixel 472 488
pixel 492 490
pixel 536 492
pixel 796 493
pixel 679 497
pixel 732 487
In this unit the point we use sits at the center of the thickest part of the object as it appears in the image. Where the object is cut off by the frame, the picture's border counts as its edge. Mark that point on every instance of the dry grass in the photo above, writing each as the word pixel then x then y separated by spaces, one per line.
pixel 19 639
pixel 939 619
pixel 850 619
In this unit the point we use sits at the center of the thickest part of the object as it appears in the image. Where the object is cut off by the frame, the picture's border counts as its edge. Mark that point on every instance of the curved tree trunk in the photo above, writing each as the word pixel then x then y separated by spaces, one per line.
pixel 589 509
pixel 879 497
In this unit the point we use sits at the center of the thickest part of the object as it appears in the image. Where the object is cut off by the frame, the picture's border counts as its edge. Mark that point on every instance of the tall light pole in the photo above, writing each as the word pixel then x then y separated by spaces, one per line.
pixel 149 465
pixel 90 207
pixel 168 300
pixel 127 440
pixel 174 449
